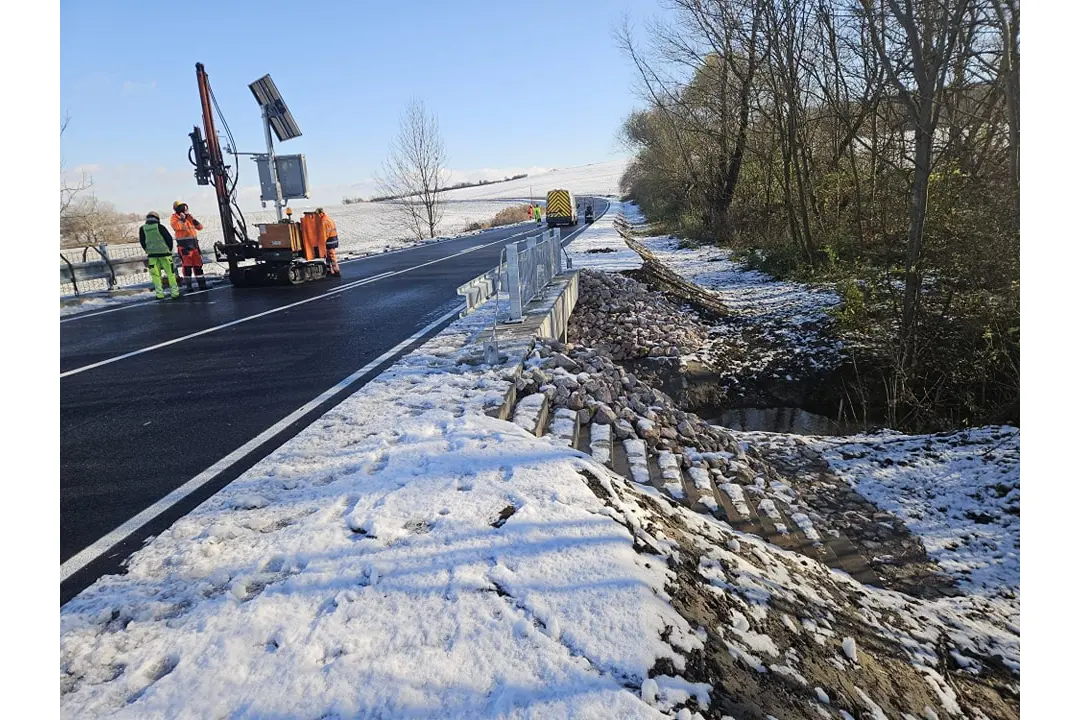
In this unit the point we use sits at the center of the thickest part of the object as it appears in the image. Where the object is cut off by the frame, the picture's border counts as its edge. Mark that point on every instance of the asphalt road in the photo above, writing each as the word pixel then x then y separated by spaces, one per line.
pixel 153 395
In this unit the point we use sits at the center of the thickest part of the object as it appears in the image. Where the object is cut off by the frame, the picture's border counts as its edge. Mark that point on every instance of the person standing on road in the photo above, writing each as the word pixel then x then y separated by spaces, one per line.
pixel 158 244
pixel 536 214
pixel 187 230
pixel 330 230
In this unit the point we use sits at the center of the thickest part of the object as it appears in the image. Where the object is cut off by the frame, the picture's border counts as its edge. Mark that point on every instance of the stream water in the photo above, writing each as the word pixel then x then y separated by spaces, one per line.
pixel 784 420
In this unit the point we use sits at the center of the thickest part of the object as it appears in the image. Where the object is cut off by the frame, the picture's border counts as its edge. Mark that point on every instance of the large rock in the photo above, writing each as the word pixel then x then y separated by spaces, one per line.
pixel 687 429
pixel 604 415
pixel 564 362
pixel 623 429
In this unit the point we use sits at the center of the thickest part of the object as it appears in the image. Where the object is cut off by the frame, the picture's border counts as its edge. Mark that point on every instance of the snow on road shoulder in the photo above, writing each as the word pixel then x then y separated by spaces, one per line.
pixel 600 247
pixel 959 492
pixel 72 305
pixel 404 555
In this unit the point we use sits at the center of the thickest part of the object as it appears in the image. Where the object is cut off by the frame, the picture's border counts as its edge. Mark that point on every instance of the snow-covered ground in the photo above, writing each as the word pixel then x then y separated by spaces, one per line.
pixel 368 228
pixel 600 247
pixel 959 492
pixel 408 556
pixel 372 228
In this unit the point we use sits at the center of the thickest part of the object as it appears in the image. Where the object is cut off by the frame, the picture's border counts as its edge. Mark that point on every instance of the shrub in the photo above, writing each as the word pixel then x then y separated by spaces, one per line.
pixel 851 312
pixel 510 215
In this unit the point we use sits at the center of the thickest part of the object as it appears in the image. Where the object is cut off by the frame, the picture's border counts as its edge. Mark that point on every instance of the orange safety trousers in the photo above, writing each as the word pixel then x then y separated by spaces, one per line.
pixel 190 258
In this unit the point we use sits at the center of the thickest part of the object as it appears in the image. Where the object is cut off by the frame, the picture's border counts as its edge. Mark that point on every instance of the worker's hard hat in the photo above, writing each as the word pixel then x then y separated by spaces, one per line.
pixel 153 214
pixel 178 203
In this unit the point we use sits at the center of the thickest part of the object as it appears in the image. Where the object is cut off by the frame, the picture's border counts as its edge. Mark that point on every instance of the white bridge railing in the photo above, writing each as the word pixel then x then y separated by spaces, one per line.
pixel 525 268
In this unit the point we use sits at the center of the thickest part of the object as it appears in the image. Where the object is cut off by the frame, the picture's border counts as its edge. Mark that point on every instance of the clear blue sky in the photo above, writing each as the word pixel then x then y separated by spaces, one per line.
pixel 514 84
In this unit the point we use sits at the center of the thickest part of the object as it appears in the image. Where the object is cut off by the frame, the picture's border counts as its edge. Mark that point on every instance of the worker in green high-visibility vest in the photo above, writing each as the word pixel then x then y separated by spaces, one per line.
pixel 158 244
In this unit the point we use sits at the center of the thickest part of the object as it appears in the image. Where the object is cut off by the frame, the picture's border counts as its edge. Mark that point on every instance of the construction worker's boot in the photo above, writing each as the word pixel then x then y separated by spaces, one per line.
pixel 187 283
pixel 202 282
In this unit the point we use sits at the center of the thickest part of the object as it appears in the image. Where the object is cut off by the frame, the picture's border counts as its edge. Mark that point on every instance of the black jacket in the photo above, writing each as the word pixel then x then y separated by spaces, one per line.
pixel 164 233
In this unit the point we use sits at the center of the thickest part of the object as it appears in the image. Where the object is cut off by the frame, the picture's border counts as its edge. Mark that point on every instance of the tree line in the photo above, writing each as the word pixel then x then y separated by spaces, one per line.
pixel 874 143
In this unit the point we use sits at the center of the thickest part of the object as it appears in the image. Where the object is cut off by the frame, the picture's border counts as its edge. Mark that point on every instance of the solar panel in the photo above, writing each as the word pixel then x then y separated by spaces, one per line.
pixel 268 97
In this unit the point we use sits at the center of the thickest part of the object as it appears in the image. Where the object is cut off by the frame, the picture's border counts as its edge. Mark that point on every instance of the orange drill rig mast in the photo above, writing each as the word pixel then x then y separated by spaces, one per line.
pixel 213 162
pixel 286 252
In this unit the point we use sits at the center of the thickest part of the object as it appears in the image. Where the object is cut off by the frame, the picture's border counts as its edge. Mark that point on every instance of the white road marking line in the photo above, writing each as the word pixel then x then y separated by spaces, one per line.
pixel 87 555
pixel 215 328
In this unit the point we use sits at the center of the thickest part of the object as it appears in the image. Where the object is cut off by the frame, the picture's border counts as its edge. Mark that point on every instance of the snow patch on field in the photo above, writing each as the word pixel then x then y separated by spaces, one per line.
pixel 593 179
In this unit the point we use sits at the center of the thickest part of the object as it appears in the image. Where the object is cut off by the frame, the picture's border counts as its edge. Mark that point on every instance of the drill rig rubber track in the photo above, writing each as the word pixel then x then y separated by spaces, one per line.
pixel 269 274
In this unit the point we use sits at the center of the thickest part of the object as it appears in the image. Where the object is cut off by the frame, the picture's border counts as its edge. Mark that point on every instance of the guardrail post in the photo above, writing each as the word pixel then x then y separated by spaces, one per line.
pixel 513 282
pixel 71 270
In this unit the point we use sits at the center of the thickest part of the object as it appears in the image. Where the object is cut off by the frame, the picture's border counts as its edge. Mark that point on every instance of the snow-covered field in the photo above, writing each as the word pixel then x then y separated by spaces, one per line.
pixel 369 228
pixel 594 179
pixel 372 228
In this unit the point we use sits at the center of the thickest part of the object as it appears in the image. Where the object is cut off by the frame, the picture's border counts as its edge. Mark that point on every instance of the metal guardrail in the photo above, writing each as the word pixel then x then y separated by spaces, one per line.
pixel 483 287
pixel 114 266
pixel 525 268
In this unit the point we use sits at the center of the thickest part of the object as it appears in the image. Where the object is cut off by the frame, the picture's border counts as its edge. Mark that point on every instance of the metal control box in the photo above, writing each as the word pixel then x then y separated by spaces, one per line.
pixel 292 174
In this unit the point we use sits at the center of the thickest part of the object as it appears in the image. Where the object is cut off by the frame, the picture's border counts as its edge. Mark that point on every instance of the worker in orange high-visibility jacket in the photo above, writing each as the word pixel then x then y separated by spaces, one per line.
pixel 186 228
pixel 330 230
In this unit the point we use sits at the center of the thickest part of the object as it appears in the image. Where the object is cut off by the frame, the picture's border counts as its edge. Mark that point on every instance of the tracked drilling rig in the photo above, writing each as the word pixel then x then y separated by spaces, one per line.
pixel 285 252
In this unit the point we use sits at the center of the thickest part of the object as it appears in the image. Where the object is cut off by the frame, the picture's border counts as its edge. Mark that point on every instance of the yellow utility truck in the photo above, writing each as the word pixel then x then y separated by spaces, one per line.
pixel 561 208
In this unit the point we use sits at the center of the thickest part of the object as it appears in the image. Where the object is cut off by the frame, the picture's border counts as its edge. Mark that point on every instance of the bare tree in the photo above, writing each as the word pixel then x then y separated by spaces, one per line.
pixel 89 221
pixel 699 78
pixel 69 189
pixel 415 170
pixel 1007 14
